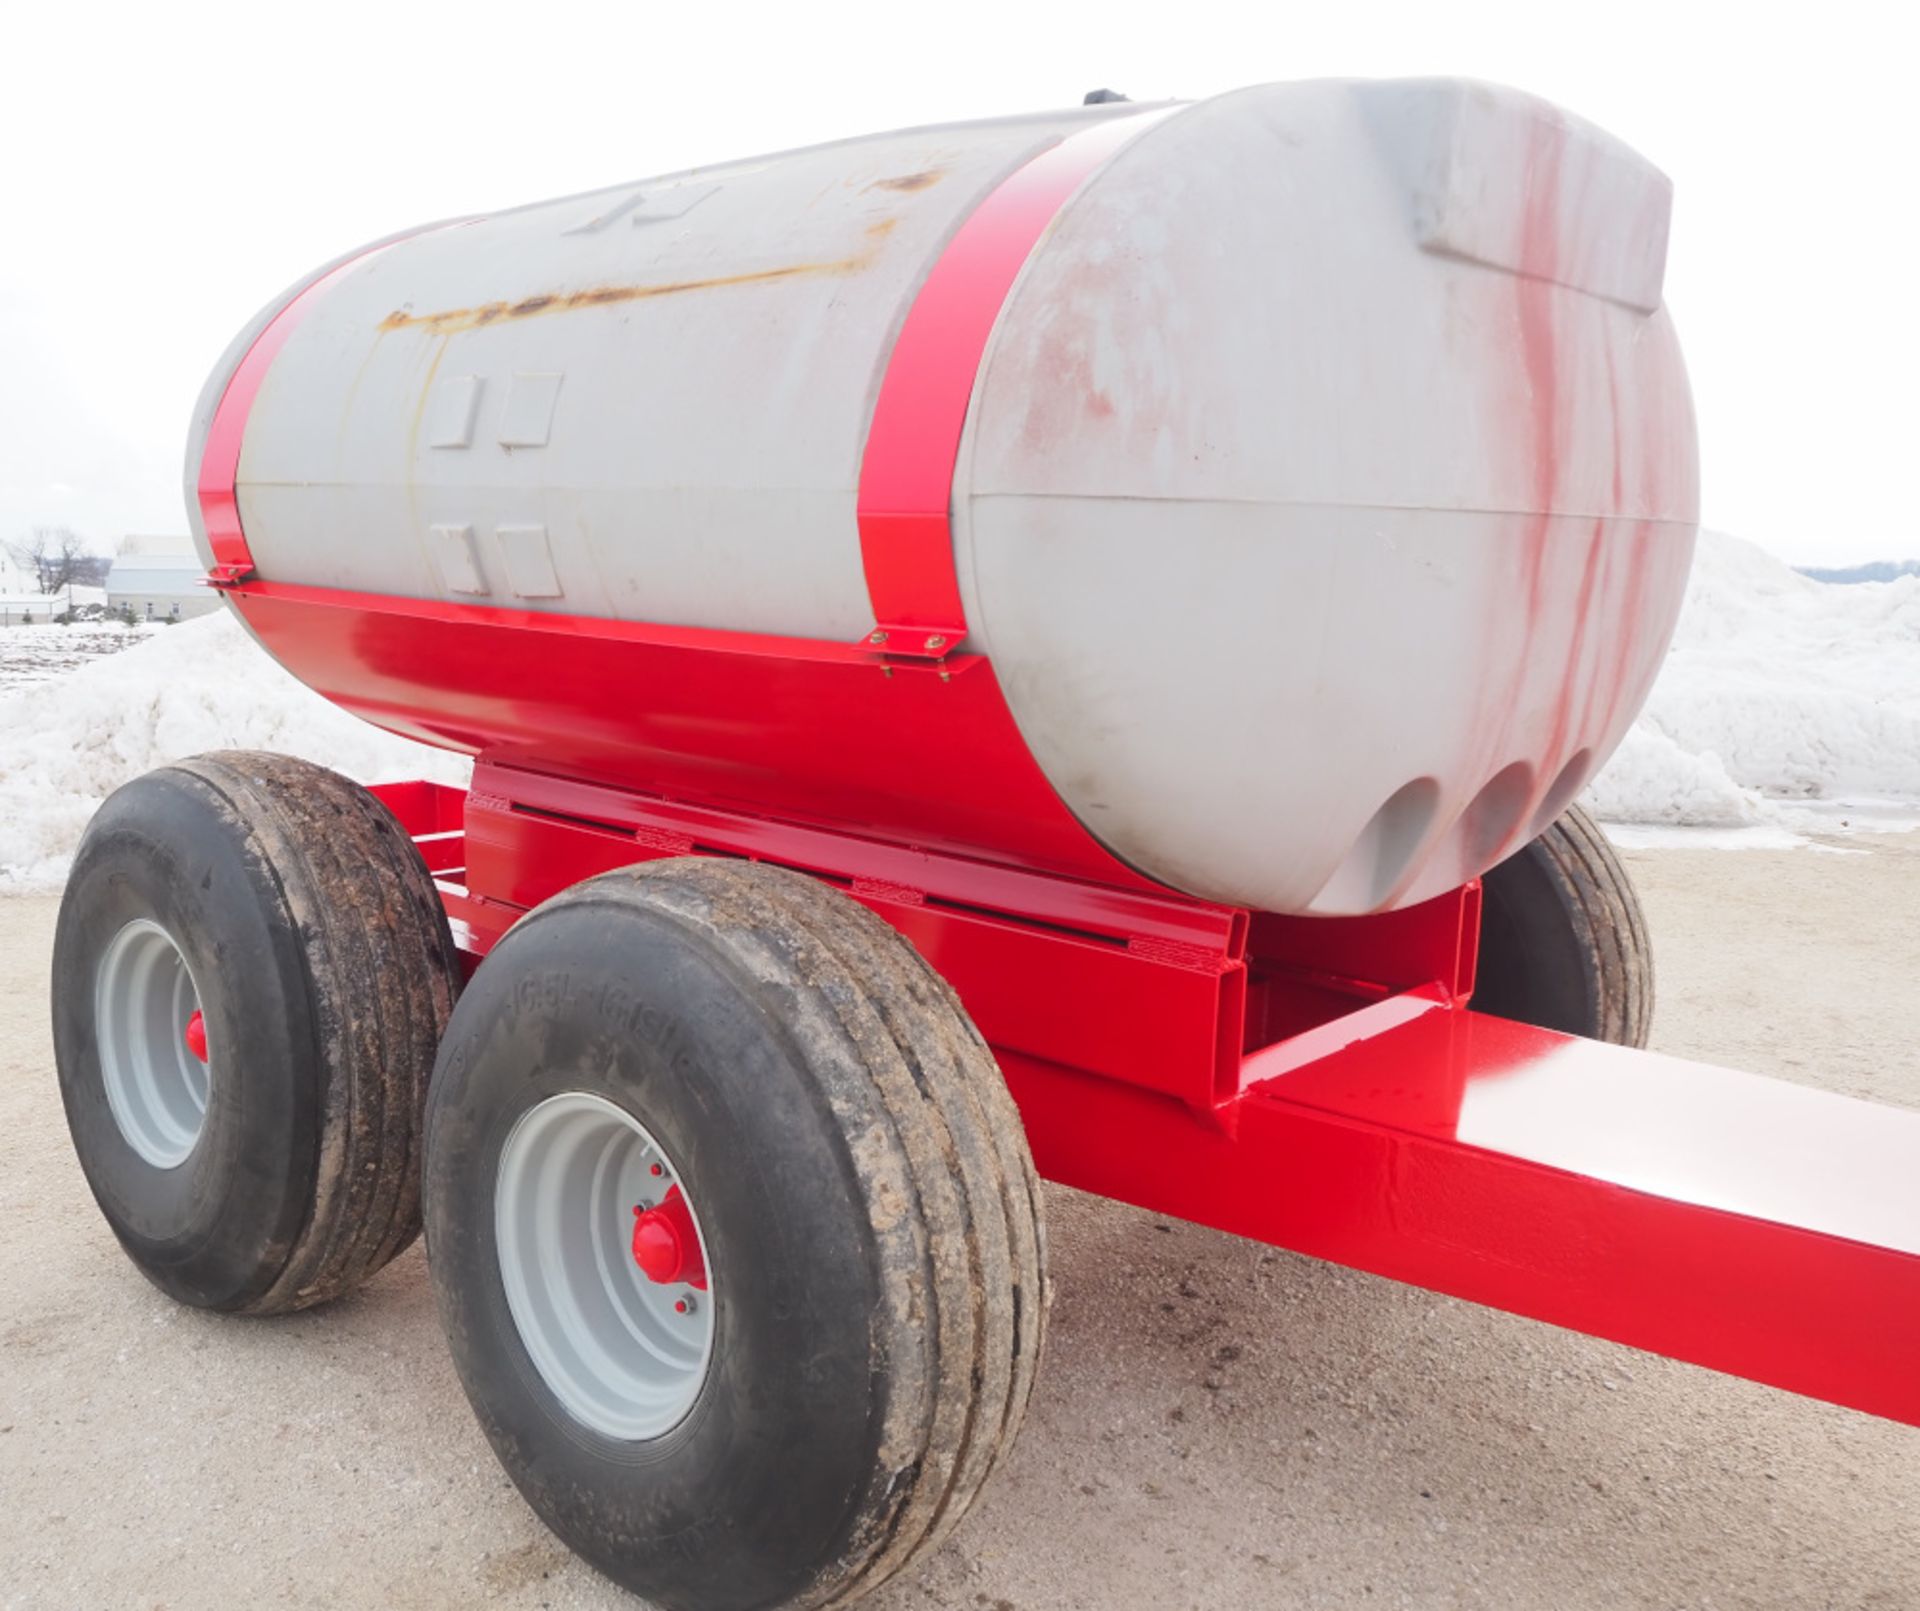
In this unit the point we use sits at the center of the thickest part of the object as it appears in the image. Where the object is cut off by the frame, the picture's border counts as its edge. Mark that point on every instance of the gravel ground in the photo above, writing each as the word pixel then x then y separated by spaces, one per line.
pixel 1218 1425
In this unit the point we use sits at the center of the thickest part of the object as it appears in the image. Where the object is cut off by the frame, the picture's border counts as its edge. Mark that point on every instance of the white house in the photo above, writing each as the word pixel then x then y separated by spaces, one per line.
pixel 21 600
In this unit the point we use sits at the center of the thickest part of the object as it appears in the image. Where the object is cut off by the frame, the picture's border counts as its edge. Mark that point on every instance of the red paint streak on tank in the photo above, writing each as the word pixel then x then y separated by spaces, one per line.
pixel 1617 426
pixel 1553 755
pixel 1063 392
pixel 1539 344
pixel 1537 256
pixel 1628 628
pixel 1657 549
pixel 1609 616
pixel 1601 691
pixel 1634 668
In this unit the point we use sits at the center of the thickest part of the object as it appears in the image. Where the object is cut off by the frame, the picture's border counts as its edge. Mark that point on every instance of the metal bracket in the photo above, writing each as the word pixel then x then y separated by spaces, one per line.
pixel 914 643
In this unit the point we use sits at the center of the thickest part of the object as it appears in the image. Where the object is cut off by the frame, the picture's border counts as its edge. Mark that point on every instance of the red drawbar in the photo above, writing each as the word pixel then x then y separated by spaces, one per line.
pixel 1732 1221
pixel 906 477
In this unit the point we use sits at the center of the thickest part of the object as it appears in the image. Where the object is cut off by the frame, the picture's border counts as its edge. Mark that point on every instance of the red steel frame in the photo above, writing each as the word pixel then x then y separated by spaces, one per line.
pixel 1322 1084
pixel 1319 1084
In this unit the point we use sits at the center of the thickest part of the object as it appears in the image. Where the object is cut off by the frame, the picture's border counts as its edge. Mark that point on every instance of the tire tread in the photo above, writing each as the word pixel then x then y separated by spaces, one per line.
pixel 1581 931
pixel 960 1362
pixel 383 972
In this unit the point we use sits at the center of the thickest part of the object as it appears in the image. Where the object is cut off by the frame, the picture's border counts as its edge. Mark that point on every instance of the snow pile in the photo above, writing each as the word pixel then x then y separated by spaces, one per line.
pixel 1784 702
pixel 66 745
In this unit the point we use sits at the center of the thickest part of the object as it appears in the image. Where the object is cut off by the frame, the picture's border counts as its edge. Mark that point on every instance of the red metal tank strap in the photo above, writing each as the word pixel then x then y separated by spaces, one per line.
pixel 906 475
pixel 220 458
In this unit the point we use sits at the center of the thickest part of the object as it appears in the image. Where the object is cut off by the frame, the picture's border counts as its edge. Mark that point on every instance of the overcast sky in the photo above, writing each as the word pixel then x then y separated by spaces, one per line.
pixel 165 169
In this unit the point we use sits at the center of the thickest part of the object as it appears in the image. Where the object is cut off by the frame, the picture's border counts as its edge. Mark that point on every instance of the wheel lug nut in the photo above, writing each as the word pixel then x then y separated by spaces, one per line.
pixel 657 1169
pixel 683 1306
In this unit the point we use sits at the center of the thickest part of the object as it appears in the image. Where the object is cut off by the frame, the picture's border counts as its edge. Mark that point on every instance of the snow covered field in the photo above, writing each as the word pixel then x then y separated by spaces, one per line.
pixel 1787 706
pixel 31 654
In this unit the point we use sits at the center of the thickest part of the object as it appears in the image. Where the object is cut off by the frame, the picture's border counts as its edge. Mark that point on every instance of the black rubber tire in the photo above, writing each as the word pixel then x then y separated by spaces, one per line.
pixel 1563 942
pixel 325 973
pixel 867 1200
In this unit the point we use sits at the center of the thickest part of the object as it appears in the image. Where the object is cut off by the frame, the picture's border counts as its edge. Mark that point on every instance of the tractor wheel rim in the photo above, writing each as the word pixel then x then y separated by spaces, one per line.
pixel 144 998
pixel 625 1356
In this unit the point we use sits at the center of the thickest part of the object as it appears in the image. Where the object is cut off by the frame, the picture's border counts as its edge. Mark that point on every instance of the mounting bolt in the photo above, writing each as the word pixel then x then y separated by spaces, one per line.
pixel 878 637
pixel 936 642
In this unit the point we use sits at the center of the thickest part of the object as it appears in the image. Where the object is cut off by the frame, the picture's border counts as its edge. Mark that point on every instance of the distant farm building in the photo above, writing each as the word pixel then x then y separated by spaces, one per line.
pixel 160 587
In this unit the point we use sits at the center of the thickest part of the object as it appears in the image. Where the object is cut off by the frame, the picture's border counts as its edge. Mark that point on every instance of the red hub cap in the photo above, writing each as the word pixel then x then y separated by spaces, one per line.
pixel 196 1035
pixel 665 1244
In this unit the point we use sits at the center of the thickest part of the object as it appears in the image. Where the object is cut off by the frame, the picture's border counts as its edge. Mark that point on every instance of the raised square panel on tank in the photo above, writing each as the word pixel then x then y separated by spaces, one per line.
pixel 453 553
pixel 526 417
pixel 451 411
pixel 529 561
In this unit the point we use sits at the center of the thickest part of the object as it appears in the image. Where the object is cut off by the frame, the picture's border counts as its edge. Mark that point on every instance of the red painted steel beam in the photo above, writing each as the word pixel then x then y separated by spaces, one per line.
pixel 1756 1227
pixel 1146 987
pixel 1139 985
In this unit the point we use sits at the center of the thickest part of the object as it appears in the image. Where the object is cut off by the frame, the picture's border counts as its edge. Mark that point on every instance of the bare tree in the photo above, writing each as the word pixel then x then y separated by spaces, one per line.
pixel 57 556
pixel 30 553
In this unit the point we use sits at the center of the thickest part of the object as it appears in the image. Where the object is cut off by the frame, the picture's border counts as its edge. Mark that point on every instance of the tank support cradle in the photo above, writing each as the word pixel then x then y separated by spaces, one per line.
pixel 1322 1085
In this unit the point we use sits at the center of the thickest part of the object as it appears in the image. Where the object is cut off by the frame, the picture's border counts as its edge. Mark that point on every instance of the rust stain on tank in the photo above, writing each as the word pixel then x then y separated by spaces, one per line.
pixel 910 181
pixel 452 321
pixel 420 409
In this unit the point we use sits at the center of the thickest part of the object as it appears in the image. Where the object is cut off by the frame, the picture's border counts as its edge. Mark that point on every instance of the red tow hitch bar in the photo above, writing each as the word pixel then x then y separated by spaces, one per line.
pixel 1757 1227
pixel 1324 1086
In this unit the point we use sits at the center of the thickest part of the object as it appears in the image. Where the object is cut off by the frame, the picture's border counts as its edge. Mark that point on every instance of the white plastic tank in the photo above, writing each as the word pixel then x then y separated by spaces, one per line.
pixel 1324 503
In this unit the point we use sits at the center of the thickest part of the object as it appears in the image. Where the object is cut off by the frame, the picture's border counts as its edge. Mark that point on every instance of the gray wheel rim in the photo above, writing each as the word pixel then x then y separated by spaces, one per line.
pixel 157 1089
pixel 617 1349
